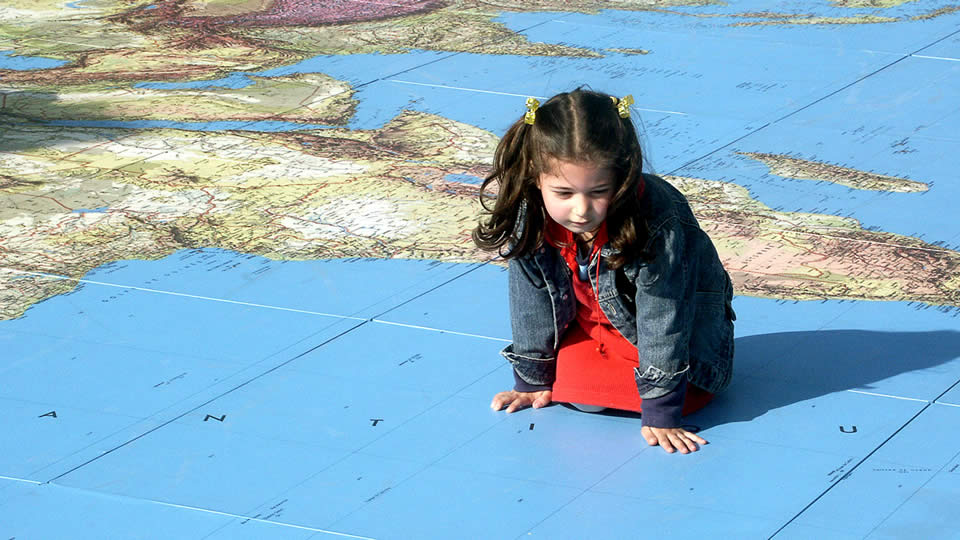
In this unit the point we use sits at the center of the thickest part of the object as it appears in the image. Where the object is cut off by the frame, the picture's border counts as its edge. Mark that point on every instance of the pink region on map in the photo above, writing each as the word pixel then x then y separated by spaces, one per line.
pixel 318 12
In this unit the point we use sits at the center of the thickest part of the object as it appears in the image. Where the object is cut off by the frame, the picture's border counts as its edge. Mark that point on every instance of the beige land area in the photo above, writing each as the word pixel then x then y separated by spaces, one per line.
pixel 80 197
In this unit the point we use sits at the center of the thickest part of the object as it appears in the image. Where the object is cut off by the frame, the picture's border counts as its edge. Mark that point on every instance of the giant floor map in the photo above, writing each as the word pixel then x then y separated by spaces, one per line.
pixel 239 298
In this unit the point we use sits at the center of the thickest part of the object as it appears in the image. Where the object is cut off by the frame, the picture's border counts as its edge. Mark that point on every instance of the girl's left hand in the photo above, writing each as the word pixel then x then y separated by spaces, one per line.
pixel 672 438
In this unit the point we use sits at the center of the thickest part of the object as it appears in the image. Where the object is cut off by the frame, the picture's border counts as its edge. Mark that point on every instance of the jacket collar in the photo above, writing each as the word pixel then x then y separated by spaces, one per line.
pixel 561 238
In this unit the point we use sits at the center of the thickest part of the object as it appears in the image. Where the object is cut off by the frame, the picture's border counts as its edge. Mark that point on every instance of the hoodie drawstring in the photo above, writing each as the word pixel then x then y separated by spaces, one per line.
pixel 596 299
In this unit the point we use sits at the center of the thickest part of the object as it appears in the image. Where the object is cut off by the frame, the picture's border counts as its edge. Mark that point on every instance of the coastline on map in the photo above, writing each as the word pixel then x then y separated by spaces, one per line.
pixel 802 169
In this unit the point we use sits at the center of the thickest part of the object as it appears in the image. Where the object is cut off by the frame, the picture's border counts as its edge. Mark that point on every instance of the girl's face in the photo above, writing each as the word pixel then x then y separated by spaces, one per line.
pixel 576 195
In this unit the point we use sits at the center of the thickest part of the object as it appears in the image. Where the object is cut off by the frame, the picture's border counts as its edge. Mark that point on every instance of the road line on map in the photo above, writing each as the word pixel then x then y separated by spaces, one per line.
pixel 381 321
pixel 185 295
pixel 510 94
pixel 888 396
pixel 935 57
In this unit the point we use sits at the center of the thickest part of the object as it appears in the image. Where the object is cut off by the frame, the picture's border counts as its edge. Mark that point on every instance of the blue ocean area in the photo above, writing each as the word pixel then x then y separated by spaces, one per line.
pixel 101 210
pixel 10 60
pixel 305 285
pixel 464 179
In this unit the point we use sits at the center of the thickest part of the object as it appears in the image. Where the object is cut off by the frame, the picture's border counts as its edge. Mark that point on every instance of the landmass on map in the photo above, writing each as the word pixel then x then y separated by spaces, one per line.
pixel 78 198
pixel 306 98
pixel 802 169
pixel 807 256
pixel 125 42
pixel 629 51
pixel 869 3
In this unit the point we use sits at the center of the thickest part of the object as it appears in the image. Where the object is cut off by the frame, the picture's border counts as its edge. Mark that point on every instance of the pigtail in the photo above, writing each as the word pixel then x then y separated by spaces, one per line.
pixel 516 219
pixel 626 218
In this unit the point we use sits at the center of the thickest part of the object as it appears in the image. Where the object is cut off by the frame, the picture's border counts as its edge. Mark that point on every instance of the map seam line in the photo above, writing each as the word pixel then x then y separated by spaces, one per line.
pixel 24 480
pixel 210 511
pixel 204 404
pixel 185 295
pixel 248 518
pixel 811 104
pixel 453 54
pixel 889 396
pixel 442 331
pixel 849 472
pixel 420 470
pixel 907 499
pixel 478 90
pixel 935 57
pixel 430 290
pixel 266 306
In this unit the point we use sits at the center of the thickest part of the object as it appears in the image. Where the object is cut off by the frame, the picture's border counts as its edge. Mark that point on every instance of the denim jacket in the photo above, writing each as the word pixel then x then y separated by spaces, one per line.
pixel 679 316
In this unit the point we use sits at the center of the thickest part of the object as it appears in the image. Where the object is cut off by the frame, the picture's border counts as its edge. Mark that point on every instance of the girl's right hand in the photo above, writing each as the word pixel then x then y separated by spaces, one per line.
pixel 519 400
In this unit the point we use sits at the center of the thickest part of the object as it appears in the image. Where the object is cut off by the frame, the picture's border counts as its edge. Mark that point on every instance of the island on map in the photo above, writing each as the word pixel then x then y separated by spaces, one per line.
pixel 801 169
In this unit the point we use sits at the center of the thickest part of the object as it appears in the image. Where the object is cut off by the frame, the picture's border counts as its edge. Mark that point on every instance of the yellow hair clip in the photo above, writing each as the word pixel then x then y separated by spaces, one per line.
pixel 623 105
pixel 531 113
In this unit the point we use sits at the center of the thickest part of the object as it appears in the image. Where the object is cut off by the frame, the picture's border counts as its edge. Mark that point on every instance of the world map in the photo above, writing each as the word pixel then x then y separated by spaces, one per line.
pixel 239 297
pixel 83 196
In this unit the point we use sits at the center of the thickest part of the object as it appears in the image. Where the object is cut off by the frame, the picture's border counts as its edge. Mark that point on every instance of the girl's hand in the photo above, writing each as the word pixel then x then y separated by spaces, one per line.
pixel 672 438
pixel 519 400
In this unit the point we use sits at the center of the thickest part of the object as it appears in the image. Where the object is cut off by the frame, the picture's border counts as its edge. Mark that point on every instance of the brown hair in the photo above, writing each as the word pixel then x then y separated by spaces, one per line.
pixel 581 126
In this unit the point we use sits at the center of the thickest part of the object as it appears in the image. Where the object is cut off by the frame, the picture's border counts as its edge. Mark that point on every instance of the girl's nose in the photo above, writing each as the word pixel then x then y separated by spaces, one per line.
pixel 581 206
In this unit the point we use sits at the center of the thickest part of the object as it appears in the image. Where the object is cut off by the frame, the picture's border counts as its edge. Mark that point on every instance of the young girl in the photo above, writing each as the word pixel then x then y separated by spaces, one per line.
pixel 617 297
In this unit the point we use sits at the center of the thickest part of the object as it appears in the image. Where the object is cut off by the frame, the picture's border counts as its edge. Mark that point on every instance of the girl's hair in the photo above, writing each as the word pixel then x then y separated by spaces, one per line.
pixel 581 126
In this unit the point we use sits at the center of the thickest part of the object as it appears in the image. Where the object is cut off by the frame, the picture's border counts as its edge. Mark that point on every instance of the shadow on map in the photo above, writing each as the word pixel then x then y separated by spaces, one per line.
pixel 804 365
pixel 777 370
pixel 15 122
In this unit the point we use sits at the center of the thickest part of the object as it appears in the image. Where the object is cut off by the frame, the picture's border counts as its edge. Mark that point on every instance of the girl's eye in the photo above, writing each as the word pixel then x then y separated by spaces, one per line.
pixel 561 194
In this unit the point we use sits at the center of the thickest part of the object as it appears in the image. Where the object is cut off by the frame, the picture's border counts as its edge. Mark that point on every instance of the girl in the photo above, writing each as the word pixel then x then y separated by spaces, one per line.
pixel 617 297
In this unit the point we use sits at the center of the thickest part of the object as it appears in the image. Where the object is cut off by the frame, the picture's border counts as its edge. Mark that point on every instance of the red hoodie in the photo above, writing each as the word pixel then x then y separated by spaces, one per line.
pixel 595 362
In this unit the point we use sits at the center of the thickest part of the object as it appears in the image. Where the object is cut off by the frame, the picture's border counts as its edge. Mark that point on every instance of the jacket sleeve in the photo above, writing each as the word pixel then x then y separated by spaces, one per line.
pixel 666 410
pixel 533 351
pixel 665 305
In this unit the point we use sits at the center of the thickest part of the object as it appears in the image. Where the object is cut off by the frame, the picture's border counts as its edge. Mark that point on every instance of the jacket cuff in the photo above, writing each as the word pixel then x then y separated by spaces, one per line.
pixel 531 369
pixel 521 385
pixel 654 382
pixel 664 411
